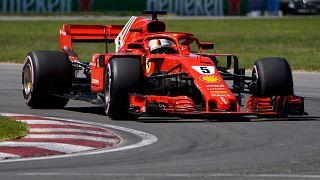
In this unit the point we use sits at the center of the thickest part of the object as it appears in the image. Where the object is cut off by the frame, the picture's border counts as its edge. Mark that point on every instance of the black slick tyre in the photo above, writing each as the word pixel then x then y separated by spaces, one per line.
pixel 273 77
pixel 122 76
pixel 45 76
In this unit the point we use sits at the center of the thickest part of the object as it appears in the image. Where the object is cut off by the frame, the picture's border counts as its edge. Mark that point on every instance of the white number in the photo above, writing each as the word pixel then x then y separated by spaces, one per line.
pixel 204 69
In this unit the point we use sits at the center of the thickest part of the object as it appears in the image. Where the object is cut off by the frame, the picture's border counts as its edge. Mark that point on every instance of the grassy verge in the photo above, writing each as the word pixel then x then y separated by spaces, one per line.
pixel 10 129
pixel 297 38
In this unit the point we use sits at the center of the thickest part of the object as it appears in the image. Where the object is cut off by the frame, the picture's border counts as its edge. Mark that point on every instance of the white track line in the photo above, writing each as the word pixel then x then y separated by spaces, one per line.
pixel 67 136
pixel 52 130
pixel 146 139
pixel 61 147
pixel 8 155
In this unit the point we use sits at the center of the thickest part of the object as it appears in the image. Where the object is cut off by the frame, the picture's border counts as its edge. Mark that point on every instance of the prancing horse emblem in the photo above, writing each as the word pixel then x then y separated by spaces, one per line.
pixel 148 65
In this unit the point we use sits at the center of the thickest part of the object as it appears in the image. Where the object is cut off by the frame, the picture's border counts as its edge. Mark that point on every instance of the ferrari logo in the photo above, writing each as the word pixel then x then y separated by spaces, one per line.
pixel 148 65
pixel 210 78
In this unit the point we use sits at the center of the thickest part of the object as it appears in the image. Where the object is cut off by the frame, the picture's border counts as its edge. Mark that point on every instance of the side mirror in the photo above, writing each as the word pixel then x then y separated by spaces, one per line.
pixel 206 45
pixel 135 46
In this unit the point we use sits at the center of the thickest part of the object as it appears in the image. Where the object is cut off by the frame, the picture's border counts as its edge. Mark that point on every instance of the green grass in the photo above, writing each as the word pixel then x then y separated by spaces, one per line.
pixel 297 39
pixel 10 129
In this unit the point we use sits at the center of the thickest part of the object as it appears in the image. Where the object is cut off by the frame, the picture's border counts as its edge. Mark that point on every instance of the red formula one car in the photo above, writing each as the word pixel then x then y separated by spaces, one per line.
pixel 157 73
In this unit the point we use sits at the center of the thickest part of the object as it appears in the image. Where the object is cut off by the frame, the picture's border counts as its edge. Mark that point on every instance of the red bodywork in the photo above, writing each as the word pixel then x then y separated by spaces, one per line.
pixel 132 41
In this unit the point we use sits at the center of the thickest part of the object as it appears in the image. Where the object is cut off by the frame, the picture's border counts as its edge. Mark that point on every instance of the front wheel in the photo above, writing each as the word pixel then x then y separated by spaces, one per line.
pixel 122 76
pixel 272 77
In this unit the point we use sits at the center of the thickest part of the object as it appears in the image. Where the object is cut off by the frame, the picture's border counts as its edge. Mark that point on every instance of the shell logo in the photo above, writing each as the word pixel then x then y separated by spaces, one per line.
pixel 210 78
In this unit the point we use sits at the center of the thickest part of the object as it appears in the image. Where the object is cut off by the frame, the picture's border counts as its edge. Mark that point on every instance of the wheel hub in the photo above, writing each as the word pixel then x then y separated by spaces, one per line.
pixel 27 80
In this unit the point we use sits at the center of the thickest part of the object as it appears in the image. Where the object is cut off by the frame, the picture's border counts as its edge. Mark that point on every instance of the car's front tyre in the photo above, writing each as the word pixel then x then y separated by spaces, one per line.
pixel 122 76
pixel 272 77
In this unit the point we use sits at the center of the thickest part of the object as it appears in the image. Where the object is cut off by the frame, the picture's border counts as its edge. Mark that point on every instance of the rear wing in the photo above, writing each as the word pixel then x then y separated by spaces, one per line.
pixel 86 33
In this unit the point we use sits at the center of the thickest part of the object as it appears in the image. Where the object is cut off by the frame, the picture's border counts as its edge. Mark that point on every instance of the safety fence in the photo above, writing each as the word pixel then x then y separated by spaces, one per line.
pixel 177 7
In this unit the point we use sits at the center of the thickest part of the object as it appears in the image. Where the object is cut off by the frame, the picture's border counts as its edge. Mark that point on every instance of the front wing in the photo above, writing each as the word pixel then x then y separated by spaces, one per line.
pixel 183 106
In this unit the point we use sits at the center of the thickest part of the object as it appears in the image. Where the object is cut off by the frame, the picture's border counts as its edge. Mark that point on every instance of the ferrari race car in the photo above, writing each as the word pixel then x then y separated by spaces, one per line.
pixel 155 73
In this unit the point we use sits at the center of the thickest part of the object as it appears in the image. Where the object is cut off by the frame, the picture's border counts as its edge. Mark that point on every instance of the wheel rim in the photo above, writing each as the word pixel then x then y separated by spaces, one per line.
pixel 255 77
pixel 255 73
pixel 27 80
pixel 107 88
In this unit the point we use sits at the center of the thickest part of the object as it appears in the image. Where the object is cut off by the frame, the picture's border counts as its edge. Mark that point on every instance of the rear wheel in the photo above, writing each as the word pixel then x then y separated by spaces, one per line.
pixel 273 77
pixel 122 76
pixel 45 75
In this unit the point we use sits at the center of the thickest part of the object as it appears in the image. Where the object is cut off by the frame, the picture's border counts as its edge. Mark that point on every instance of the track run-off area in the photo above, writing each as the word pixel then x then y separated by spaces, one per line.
pixel 182 148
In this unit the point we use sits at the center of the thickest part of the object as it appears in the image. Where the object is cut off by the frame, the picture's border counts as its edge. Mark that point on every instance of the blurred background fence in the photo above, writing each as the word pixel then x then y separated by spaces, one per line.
pixel 128 7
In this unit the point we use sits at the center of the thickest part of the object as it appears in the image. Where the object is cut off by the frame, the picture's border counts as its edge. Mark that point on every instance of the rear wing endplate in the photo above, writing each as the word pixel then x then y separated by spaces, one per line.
pixel 86 33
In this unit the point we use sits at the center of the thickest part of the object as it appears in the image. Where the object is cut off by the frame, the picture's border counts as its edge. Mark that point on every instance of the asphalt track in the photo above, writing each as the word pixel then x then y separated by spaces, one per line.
pixel 186 149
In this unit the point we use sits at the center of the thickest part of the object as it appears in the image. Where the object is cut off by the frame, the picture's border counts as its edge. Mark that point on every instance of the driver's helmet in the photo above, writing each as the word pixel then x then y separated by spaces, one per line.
pixel 159 45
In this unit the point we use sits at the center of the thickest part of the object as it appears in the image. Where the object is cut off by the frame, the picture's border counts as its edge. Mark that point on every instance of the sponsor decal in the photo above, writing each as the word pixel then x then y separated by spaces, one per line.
pixel 216 89
pixel 148 65
pixel 218 92
pixel 119 41
pixel 210 78
pixel 215 85
pixel 220 95
pixel 204 69
pixel 224 100
pixel 189 7
pixel 95 81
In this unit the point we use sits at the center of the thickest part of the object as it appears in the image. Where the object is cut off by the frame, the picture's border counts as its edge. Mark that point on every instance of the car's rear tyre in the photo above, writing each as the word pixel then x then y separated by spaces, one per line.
pixel 122 76
pixel 45 75
pixel 273 77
